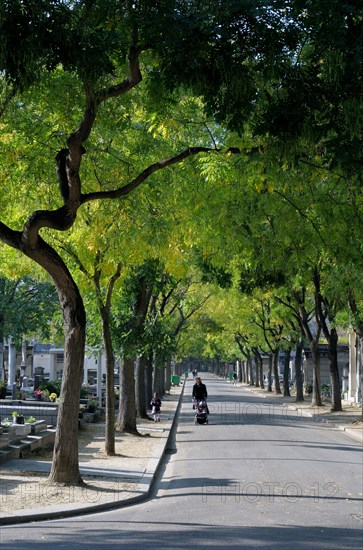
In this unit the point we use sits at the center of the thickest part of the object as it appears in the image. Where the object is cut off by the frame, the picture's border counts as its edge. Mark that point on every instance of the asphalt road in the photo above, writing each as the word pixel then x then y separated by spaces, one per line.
pixel 257 476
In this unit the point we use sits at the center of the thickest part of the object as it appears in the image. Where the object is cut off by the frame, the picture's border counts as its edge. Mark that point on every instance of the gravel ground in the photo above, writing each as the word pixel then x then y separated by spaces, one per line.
pixel 27 491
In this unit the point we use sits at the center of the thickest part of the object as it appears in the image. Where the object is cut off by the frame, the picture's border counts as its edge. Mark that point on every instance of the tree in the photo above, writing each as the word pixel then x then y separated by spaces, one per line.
pixel 27 309
pixel 243 60
pixel 326 311
pixel 47 49
pixel 103 294
pixel 132 310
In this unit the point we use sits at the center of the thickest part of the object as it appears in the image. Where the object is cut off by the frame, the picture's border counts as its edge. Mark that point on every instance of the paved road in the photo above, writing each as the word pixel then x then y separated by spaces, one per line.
pixel 258 476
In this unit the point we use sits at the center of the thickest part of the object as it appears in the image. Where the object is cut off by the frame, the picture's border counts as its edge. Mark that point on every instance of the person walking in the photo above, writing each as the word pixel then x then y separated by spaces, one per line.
pixel 199 391
pixel 156 404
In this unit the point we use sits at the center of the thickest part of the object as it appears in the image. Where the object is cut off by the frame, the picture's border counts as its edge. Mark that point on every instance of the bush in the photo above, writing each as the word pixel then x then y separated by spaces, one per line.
pixel 2 389
pixel 51 386
pixel 84 392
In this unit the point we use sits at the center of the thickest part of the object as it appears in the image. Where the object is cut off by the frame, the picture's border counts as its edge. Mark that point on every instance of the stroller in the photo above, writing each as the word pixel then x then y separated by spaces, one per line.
pixel 201 412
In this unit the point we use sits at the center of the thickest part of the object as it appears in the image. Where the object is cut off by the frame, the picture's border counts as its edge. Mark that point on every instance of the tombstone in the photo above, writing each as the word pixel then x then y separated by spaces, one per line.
pixel 345 379
pixel 12 362
pixel 37 380
pixel 23 358
pixel 39 371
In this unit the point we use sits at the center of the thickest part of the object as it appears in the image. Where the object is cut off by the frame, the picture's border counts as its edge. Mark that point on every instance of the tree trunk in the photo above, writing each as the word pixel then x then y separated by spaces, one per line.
pixel 141 408
pixel 276 371
pixel 167 374
pixel 149 380
pixel 269 373
pixel 65 466
pixel 157 378
pixel 105 312
pixel 257 370
pixel 126 419
pixel 314 348
pixel 2 370
pixel 298 371
pixel 316 397
pixel 262 383
pixel 259 367
pixel 110 384
pixel 334 372
pixel 239 370
pixel 162 387
pixel 326 310
pixel 287 373
pixel 250 370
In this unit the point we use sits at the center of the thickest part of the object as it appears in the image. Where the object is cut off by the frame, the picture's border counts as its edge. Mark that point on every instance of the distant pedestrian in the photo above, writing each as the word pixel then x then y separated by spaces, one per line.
pixel 156 405
pixel 234 378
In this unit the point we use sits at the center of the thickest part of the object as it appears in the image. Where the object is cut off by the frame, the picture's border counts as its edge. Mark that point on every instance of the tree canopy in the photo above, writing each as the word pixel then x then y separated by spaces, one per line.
pixel 258 104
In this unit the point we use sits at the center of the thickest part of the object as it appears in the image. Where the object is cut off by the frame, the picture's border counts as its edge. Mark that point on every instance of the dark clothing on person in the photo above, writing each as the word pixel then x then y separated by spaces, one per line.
pixel 156 404
pixel 200 391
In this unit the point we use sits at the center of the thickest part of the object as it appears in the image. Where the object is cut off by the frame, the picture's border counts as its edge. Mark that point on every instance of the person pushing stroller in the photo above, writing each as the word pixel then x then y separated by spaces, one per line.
pixel 199 392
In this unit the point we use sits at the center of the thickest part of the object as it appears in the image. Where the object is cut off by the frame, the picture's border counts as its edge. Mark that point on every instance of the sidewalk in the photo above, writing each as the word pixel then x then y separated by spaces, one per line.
pixel 111 482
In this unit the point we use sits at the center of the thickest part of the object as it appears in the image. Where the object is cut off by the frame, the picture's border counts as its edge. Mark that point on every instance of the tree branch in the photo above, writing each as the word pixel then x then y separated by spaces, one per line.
pixel 160 165
pixel 10 237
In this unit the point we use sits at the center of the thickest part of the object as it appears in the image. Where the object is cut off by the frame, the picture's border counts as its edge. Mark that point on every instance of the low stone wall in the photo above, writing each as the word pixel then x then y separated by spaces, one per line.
pixel 40 410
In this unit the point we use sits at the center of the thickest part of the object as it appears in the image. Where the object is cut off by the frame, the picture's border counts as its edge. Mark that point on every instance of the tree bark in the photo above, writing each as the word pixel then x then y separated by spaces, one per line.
pixel 149 380
pixel 262 383
pixel 167 374
pixel 65 466
pixel 276 371
pixel 257 371
pixel 239 370
pixel 110 383
pixel 158 374
pixel 269 373
pixel 314 348
pixel 326 310
pixel 126 419
pixel 315 354
pixel 287 373
pixel 298 371
pixel 334 372
pixel 141 408
pixel 250 370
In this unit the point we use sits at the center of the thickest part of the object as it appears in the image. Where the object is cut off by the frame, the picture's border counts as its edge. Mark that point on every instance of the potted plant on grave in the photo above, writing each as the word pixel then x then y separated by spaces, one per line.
pixel 17 418
pixel 6 424
pixel 46 394
pixel 38 394
pixel 92 406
